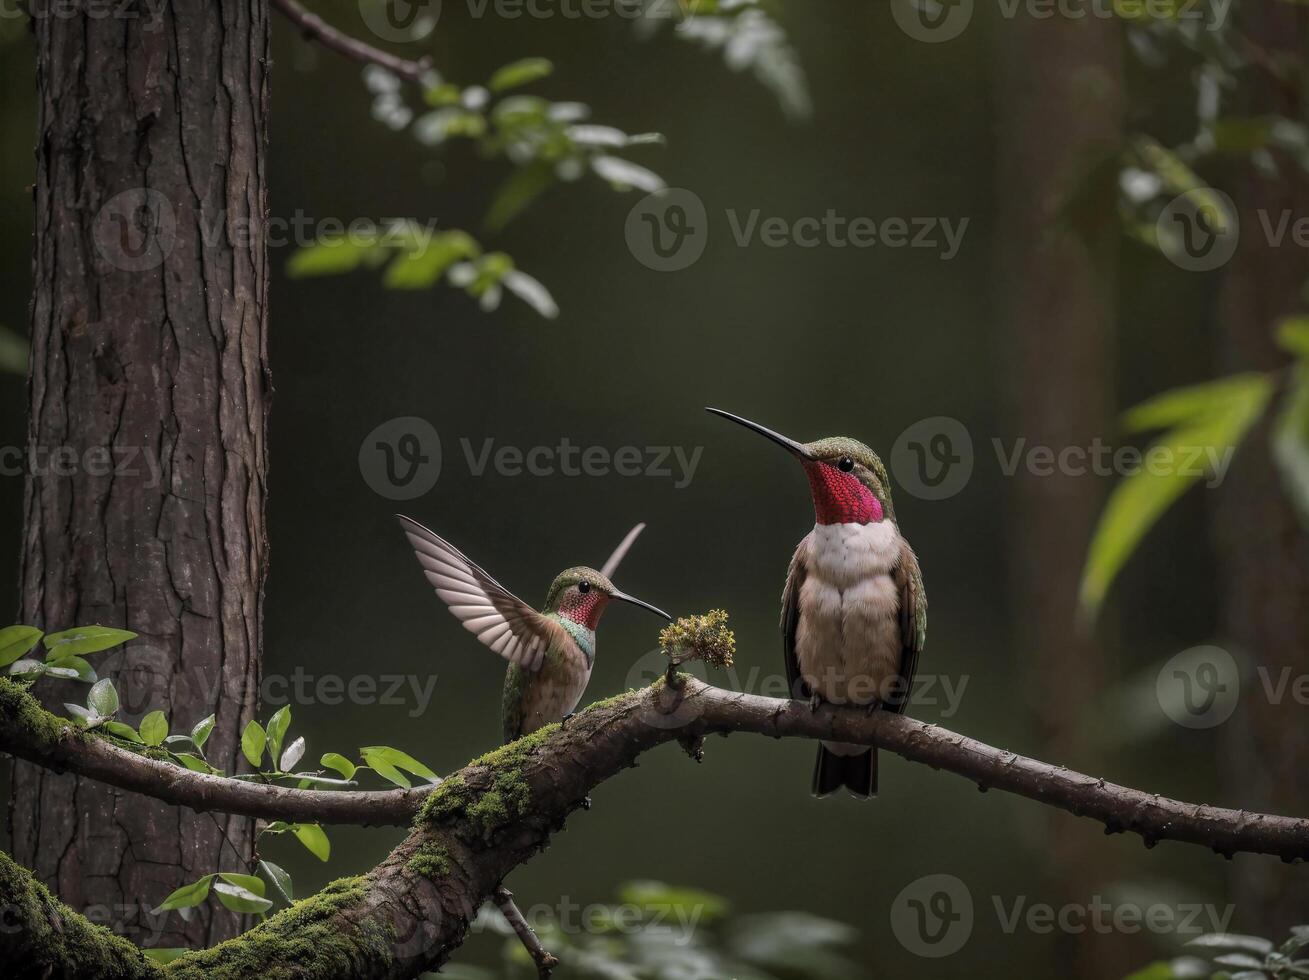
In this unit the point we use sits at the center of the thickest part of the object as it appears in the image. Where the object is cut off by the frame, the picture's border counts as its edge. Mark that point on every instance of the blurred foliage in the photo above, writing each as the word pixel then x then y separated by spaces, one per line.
pixel 662 932
pixel 13 352
pixel 1230 956
pixel 1214 417
pixel 546 142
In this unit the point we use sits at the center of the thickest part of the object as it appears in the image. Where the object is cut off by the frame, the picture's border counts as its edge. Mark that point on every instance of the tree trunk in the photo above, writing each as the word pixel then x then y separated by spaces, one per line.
pixel 148 400
pixel 1263 547
pixel 1061 104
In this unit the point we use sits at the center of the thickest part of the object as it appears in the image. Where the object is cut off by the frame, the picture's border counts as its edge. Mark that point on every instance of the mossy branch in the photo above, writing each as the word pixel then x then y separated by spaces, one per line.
pixel 410 912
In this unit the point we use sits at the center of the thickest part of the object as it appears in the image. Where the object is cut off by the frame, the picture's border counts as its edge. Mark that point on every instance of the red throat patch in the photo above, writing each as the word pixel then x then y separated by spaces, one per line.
pixel 584 608
pixel 839 498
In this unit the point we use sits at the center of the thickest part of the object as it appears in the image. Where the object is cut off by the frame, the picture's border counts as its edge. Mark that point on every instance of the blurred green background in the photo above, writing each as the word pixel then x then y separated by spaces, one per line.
pixel 814 342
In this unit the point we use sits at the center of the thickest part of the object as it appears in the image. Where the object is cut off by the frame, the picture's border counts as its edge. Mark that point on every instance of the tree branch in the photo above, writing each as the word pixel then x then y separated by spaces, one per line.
pixel 27 731
pixel 545 961
pixel 413 910
pixel 317 29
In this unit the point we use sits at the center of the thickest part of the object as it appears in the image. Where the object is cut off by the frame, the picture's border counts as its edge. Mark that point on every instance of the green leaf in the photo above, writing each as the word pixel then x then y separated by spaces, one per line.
pixel 103 699
pixel 154 728
pixel 395 759
pixel 253 740
pixel 314 839
pixel 623 174
pixel 76 667
pixel 422 265
pixel 165 954
pixel 1233 941
pixel 123 731
pixel 1212 426
pixel 188 896
pixel 518 73
pixel 1293 335
pixel 249 882
pixel 330 257
pixel 1291 441
pixel 334 760
pixel 200 733
pixel 194 762
pixel 240 899
pixel 309 779
pixel 84 640
pixel 26 668
pixel 293 754
pixel 83 716
pixel 16 642
pixel 276 731
pixel 280 879
pixel 67 673
pixel 655 895
pixel 13 352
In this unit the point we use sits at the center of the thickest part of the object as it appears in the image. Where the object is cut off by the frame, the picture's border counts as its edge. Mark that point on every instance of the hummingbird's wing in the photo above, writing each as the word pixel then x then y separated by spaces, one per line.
pixel 913 620
pixel 616 559
pixel 795 576
pixel 501 620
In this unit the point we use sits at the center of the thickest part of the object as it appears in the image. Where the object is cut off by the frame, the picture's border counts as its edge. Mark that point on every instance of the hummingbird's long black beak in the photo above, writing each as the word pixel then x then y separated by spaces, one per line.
pixel 644 605
pixel 794 448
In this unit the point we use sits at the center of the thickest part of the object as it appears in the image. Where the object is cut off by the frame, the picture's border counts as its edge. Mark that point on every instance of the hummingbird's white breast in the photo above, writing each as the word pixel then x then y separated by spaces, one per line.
pixel 847 642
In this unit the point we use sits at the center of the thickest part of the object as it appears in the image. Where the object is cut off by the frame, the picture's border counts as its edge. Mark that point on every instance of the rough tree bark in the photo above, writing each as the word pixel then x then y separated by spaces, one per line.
pixel 149 379
pixel 1056 245
pixel 1263 548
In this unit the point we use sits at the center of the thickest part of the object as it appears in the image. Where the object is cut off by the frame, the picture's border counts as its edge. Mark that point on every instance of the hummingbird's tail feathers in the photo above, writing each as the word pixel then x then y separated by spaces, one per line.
pixel 856 773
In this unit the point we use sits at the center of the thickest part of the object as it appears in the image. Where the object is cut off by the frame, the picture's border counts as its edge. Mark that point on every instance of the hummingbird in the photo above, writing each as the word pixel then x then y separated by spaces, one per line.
pixel 854 612
pixel 550 652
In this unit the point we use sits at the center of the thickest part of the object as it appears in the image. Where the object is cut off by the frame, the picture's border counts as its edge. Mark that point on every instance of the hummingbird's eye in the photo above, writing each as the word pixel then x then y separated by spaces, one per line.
pixel 584 587
pixel 845 464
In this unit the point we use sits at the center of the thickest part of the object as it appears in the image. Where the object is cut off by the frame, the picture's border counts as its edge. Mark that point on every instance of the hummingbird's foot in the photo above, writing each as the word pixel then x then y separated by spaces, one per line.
pixel 872 708
pixel 586 802
pixel 563 722
pixel 815 702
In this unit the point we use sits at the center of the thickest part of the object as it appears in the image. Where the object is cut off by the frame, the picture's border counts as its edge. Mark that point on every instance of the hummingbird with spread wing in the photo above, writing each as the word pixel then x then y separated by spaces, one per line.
pixel 854 612
pixel 550 652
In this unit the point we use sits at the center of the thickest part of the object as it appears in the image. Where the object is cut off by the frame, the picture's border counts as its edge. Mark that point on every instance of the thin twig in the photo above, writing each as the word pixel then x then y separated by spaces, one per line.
pixel 544 960
pixel 317 29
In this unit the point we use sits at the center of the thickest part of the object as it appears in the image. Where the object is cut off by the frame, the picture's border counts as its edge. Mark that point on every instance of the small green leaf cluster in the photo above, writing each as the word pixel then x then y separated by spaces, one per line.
pixel 65 652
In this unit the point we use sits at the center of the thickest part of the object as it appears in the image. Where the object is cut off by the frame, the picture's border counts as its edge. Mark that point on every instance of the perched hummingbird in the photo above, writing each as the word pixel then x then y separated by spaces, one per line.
pixel 854 612
pixel 550 652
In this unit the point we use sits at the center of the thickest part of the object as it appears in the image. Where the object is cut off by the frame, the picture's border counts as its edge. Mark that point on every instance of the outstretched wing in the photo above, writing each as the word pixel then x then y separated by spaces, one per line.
pixel 791 620
pixel 913 620
pixel 502 621
pixel 620 552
